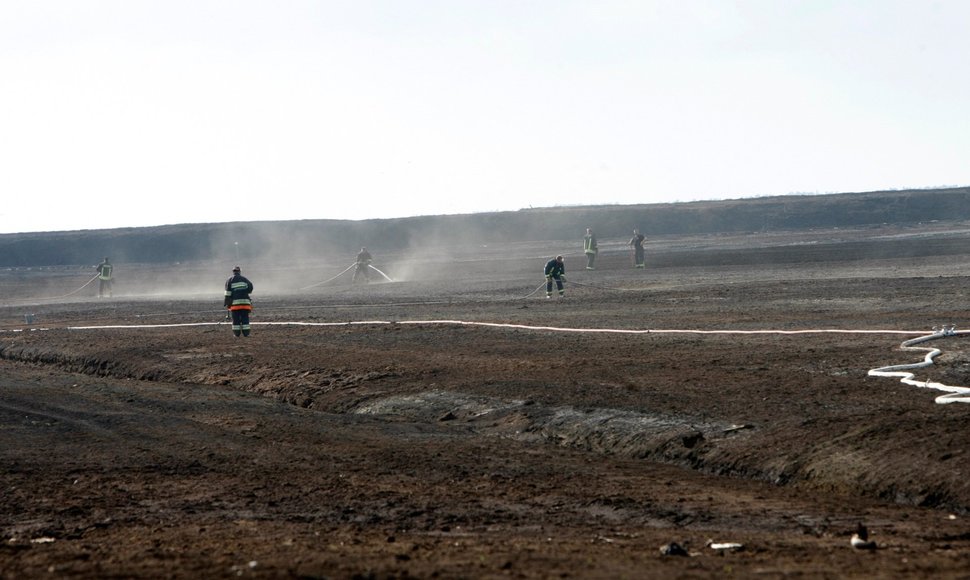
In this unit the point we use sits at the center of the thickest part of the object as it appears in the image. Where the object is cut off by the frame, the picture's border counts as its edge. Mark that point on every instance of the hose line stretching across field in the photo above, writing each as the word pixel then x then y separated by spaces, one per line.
pixel 509 325
pixel 386 277
pixel 539 287
pixel 328 279
pixel 955 394
pixel 71 293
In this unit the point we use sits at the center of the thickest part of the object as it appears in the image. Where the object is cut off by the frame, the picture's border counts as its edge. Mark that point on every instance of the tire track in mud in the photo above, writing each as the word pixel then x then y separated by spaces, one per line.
pixel 37 411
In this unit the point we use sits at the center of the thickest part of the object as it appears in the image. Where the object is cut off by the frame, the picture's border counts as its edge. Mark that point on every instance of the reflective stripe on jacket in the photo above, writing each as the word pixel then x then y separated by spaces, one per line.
pixel 237 293
pixel 554 268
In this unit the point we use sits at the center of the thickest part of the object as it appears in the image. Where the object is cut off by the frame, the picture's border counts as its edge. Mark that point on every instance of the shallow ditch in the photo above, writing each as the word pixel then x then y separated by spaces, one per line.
pixel 707 445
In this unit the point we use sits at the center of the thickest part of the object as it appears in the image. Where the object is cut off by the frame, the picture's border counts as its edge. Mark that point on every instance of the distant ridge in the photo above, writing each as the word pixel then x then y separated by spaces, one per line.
pixel 204 242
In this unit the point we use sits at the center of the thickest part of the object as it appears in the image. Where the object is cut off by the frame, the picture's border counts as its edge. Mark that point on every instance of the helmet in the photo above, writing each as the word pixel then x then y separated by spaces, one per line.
pixel 236 269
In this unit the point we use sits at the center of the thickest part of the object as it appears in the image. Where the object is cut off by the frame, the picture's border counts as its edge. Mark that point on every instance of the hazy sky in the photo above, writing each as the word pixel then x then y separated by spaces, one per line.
pixel 133 113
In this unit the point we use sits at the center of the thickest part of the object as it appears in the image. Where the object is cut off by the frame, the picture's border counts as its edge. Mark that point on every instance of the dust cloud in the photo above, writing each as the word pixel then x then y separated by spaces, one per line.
pixel 298 257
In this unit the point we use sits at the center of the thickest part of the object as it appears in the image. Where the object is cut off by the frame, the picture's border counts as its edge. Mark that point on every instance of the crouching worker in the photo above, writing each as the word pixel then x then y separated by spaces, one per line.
pixel 555 270
pixel 237 301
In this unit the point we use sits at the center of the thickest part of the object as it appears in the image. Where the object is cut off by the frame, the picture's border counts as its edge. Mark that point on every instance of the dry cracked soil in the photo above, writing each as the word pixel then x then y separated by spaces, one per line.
pixel 455 423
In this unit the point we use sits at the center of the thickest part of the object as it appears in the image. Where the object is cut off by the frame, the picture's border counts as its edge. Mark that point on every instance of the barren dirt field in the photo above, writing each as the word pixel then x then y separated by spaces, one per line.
pixel 455 423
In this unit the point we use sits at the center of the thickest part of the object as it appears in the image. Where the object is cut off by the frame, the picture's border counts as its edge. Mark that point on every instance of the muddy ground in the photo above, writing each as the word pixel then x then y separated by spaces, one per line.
pixel 370 432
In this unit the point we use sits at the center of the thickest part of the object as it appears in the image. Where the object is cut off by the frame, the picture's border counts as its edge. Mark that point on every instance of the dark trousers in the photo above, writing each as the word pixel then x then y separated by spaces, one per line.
pixel 240 322
pixel 104 288
pixel 590 258
pixel 638 256
pixel 558 285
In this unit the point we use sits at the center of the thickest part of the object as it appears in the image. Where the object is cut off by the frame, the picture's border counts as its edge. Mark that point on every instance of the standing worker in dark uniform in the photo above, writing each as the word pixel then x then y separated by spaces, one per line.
pixel 555 270
pixel 104 278
pixel 237 301
pixel 589 247
pixel 637 242
pixel 363 266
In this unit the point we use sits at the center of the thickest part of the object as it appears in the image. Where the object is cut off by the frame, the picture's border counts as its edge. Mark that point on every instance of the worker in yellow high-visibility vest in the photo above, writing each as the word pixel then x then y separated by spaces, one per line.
pixel 105 272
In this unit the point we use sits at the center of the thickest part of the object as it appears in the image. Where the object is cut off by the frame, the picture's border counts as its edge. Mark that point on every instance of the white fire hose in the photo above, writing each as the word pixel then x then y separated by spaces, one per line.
pixel 955 394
